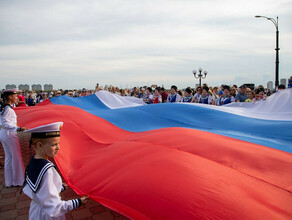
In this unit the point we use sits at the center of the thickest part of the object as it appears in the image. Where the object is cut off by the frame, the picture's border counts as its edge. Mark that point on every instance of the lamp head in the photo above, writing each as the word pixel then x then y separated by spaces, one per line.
pixel 194 72
pixel 260 16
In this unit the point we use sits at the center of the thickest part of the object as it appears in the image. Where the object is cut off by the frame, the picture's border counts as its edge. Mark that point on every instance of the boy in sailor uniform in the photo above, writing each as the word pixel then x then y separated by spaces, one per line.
pixel 13 169
pixel 43 184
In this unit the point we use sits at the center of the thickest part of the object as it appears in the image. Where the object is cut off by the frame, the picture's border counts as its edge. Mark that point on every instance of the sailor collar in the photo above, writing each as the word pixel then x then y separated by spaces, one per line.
pixel 35 172
pixel 8 106
pixel 2 108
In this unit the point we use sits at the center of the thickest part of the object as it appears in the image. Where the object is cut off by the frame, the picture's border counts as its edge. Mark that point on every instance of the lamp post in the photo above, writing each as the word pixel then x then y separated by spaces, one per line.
pixel 277 47
pixel 200 75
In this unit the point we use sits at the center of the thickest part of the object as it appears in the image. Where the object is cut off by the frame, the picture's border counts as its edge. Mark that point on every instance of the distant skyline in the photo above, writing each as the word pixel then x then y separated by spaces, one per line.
pixel 76 44
pixel 10 86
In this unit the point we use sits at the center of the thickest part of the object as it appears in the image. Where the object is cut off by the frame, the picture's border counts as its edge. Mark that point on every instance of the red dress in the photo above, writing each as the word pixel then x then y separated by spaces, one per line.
pixel 21 98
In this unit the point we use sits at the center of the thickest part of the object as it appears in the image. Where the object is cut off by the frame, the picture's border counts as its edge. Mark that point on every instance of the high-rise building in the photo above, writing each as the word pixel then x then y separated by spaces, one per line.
pixel 24 87
pixel 270 85
pixel 283 82
pixel 48 87
pixel 36 87
pixel 10 86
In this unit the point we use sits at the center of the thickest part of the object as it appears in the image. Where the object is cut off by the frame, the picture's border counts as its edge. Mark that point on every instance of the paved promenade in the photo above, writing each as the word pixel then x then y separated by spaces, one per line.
pixel 16 206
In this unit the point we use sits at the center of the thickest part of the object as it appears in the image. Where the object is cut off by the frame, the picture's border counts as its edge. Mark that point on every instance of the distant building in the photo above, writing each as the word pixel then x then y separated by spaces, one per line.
pixel 270 85
pixel 36 87
pixel 10 86
pixel 23 87
pixel 283 82
pixel 48 87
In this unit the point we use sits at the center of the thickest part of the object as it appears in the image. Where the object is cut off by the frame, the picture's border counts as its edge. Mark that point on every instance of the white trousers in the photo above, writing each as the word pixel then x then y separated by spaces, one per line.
pixel 13 167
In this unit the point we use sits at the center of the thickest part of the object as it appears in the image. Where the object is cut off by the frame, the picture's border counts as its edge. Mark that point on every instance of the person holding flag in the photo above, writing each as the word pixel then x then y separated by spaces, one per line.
pixel 43 184
pixel 13 165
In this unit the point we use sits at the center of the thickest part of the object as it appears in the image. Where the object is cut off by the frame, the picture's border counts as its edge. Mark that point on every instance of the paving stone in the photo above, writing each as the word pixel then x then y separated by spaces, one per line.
pixel 91 203
pixel 116 214
pixel 69 194
pixel 22 204
pixel 97 209
pixel 23 211
pixel 103 216
pixel 69 216
pixel 9 207
pixel 8 195
pixel 8 214
pixel 81 213
pixel 8 201
pixel 22 197
pixel 9 190
pixel 22 217
pixel 2 182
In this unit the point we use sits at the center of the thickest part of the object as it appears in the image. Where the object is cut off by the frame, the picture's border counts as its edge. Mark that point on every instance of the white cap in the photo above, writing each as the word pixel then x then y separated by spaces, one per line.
pixel 45 131
pixel 12 91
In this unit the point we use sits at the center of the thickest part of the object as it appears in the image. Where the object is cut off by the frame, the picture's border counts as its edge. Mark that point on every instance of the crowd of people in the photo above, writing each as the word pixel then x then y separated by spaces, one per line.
pixel 206 95
pixel 41 182
pixel 154 94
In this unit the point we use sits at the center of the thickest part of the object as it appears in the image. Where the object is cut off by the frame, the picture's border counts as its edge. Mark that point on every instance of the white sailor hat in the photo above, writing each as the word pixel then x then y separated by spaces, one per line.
pixel 8 92
pixel 46 131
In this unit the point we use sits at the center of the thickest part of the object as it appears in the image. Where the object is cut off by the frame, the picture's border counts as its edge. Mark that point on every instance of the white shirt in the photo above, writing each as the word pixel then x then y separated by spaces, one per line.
pixel 8 119
pixel 46 202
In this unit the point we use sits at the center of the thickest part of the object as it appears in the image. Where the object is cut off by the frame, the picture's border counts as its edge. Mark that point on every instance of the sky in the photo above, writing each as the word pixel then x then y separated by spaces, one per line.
pixel 126 43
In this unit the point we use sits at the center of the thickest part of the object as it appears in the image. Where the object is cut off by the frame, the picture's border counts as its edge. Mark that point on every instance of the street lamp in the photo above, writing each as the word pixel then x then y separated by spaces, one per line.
pixel 277 47
pixel 200 75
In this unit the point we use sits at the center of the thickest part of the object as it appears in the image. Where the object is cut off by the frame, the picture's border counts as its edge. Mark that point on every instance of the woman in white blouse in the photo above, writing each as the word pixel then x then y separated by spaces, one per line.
pixel 13 168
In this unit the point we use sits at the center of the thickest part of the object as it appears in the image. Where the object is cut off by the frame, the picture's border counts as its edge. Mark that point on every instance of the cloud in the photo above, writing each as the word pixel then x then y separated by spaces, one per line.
pixel 130 42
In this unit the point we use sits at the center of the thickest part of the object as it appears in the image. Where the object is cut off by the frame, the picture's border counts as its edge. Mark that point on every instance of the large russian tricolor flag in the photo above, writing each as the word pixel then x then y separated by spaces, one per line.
pixel 175 161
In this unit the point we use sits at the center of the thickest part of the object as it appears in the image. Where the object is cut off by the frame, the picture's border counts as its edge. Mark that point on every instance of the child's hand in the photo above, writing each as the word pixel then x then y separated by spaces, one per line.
pixel 84 199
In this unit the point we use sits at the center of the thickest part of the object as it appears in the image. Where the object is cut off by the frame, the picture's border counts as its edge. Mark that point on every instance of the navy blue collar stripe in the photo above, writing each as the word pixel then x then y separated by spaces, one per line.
pixel 35 186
